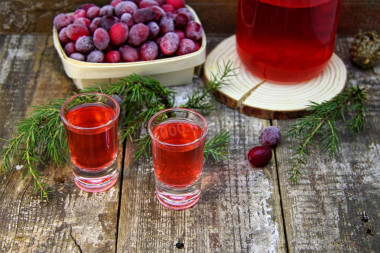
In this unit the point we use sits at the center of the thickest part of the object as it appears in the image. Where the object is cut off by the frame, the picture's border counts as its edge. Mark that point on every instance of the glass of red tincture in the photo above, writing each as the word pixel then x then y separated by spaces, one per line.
pixel 91 122
pixel 286 41
pixel 178 137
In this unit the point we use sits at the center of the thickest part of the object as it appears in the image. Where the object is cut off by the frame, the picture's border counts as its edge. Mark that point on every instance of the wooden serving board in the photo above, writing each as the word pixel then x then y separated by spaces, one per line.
pixel 263 99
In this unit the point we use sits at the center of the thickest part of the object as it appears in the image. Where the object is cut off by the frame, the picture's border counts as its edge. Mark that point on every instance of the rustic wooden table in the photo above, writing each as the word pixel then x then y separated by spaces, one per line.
pixel 334 208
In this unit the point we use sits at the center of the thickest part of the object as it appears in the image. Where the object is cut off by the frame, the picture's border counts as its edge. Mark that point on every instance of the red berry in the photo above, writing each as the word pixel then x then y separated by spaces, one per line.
pixel 149 51
pixel 146 3
pixel 70 48
pixel 270 136
pixel 113 56
pixel 176 3
pixel 77 56
pixel 168 8
pixel 74 31
pixel 125 7
pixel 129 54
pixel 106 10
pixel 93 12
pixel 154 30
pixel 107 22
pixel 180 33
pixel 101 38
pixel 259 156
pixel 158 11
pixel 115 2
pixel 138 34
pixel 186 46
pixel 79 13
pixel 63 36
pixel 86 6
pixel 143 15
pixel 166 25
pixel 127 19
pixel 82 21
pixel 62 20
pixel 169 43
pixel 118 33
pixel 95 56
pixel 94 24
pixel 84 44
pixel 194 30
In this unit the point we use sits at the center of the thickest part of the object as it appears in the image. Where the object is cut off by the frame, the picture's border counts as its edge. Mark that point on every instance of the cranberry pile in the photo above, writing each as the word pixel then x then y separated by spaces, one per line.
pixel 129 31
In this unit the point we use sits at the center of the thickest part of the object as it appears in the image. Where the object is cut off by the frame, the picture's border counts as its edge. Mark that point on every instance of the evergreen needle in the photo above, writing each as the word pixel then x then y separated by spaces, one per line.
pixel 322 122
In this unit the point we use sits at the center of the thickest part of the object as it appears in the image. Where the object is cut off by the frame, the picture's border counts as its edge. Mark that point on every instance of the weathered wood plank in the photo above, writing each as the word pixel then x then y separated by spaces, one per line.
pixel 239 210
pixel 335 207
pixel 72 221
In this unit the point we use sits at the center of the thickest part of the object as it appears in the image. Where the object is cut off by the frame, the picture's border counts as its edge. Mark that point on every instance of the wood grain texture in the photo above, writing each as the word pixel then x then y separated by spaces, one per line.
pixel 238 211
pixel 335 207
pixel 72 221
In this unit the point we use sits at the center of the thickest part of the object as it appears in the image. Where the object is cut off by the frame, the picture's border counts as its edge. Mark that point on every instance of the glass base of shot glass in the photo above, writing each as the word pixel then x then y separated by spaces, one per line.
pixel 98 181
pixel 178 198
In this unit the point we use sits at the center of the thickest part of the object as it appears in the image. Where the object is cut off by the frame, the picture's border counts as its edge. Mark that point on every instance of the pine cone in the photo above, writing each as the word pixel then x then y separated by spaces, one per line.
pixel 365 50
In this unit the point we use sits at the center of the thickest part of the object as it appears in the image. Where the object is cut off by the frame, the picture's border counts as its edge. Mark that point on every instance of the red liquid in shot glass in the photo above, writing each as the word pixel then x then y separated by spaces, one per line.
pixel 178 166
pixel 102 140
pixel 286 40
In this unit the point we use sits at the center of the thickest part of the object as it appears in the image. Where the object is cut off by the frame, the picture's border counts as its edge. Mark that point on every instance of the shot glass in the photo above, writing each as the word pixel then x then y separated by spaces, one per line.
pixel 178 137
pixel 91 121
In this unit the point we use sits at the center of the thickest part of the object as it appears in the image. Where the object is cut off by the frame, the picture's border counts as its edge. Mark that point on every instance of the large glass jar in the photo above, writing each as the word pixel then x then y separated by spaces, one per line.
pixel 286 41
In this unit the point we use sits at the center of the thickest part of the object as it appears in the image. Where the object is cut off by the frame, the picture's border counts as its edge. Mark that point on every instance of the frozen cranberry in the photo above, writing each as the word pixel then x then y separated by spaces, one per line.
pixel 118 33
pixel 94 24
pixel 186 12
pixel 79 13
pixel 115 2
pixel 194 30
pixel 62 20
pixel 259 156
pixel 146 3
pixel 148 51
pixel 143 15
pixel 84 44
pixel 86 6
pixel 168 8
pixel 62 36
pixel 176 3
pixel 166 25
pixel 129 54
pixel 101 38
pixel 138 34
pixel 107 22
pixel 270 136
pixel 186 46
pixel 171 15
pixel 95 56
pixel 125 7
pixel 113 56
pixel 74 31
pixel 180 33
pixel 127 19
pixel 154 30
pixel 82 21
pixel 158 11
pixel 77 56
pixel 169 43
pixel 69 48
pixel 180 20
pixel 106 10
pixel 93 12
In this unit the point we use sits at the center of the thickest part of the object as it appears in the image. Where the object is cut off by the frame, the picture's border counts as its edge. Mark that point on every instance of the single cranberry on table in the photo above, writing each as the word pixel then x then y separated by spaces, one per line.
pixel 260 156
pixel 270 136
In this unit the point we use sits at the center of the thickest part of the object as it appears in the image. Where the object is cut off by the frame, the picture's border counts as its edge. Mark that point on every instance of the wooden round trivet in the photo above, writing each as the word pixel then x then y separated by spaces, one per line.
pixel 264 99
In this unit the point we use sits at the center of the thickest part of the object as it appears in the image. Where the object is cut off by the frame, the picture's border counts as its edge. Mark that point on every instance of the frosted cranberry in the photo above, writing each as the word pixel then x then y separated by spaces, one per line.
pixel 138 34
pixel 79 13
pixel 171 15
pixel 118 33
pixel 82 21
pixel 74 31
pixel 154 30
pixel 169 43
pixel 148 51
pixel 270 136
pixel 107 22
pixel 69 48
pixel 125 7
pixel 84 44
pixel 186 12
pixel 62 36
pixel 194 30
pixel 113 56
pixel 176 3
pixel 146 3
pixel 94 24
pixel 168 8
pixel 180 33
pixel 106 10
pixel 127 19
pixel 143 15
pixel 158 11
pixel 180 20
pixel 77 56
pixel 186 46
pixel 101 38
pixel 259 156
pixel 62 20
pixel 96 56
pixel 115 2
pixel 166 25
pixel 93 12
pixel 129 54
pixel 86 6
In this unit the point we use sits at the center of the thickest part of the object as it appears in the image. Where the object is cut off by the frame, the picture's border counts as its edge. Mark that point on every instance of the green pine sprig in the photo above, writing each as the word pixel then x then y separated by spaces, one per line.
pixel 320 124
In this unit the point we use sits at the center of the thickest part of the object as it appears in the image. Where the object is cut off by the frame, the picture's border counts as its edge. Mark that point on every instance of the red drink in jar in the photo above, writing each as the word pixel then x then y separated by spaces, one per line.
pixel 286 41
